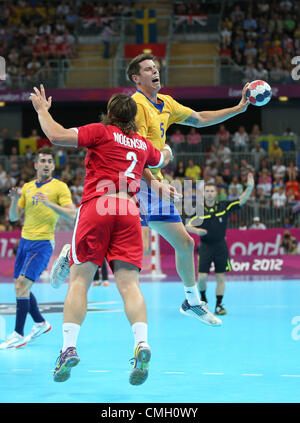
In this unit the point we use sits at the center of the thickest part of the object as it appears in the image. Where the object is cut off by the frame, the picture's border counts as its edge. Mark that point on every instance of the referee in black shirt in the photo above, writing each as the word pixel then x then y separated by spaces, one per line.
pixel 213 247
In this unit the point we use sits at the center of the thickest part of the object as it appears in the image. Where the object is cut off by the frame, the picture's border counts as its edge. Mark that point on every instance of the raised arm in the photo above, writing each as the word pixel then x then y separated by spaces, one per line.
pixel 15 211
pixel 244 197
pixel 208 118
pixel 56 133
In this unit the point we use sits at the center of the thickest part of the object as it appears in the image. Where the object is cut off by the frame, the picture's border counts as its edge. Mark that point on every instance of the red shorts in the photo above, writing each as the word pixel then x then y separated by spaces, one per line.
pixel 107 227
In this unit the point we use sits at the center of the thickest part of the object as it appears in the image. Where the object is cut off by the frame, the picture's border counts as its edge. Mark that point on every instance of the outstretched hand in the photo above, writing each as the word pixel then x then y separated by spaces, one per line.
pixel 39 100
pixel 14 193
pixel 244 103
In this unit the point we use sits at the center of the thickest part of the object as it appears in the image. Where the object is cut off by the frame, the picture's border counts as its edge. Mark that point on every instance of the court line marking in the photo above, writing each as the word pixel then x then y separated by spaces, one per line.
pixel 176 373
pixel 290 375
pixel 252 374
pixel 206 373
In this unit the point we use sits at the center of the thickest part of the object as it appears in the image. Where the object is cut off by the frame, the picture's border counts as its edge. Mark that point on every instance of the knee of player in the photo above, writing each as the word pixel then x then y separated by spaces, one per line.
pixel 202 277
pixel 21 288
pixel 128 288
pixel 220 277
pixel 188 243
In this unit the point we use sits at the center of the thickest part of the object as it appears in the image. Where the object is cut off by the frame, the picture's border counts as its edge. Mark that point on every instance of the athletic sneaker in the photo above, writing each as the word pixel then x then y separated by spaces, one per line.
pixel 60 269
pixel 220 310
pixel 14 340
pixel 140 361
pixel 37 330
pixel 64 363
pixel 200 312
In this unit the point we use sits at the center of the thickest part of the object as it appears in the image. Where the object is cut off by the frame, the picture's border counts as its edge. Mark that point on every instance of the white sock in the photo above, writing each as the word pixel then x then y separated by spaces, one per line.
pixel 70 334
pixel 140 333
pixel 192 295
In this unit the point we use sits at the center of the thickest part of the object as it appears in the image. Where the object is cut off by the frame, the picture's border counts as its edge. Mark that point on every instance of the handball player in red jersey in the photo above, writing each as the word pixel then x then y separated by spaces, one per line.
pixel 108 220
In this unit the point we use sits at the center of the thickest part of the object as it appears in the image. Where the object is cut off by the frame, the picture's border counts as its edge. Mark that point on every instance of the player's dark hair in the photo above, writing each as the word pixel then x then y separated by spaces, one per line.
pixel 121 112
pixel 44 150
pixel 210 184
pixel 134 66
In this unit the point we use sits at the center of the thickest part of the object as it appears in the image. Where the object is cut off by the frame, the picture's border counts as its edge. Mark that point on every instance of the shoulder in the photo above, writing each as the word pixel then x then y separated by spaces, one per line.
pixel 165 97
pixel 139 98
pixel 168 100
pixel 59 184
pixel 29 185
pixel 141 102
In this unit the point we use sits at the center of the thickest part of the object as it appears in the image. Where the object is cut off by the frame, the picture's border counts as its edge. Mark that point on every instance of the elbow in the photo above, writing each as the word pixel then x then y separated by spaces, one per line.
pixel 73 213
pixel 73 216
pixel 13 219
pixel 165 162
pixel 53 138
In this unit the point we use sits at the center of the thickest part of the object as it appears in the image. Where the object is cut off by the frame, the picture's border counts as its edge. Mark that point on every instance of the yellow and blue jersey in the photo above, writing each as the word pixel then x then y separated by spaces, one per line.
pixel 153 119
pixel 40 220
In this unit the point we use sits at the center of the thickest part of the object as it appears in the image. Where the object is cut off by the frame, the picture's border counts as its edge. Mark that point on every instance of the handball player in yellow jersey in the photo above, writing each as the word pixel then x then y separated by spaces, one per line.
pixel 42 201
pixel 155 114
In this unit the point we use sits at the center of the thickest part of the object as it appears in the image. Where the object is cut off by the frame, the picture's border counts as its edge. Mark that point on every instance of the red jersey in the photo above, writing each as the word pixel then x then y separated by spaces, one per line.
pixel 114 161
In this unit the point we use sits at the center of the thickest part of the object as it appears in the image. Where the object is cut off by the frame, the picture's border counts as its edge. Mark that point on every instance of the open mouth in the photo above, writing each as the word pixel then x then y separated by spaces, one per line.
pixel 155 79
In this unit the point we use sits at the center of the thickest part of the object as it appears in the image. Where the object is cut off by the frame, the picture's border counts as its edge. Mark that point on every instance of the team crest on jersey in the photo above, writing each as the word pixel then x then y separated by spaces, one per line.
pixel 220 219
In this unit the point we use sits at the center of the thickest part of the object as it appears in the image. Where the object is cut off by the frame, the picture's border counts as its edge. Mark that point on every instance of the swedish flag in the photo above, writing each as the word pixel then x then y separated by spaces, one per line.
pixel 145 26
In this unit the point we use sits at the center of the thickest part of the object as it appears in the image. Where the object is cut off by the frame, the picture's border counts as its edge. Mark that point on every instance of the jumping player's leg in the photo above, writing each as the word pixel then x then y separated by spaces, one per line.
pixel 81 277
pixel 134 303
pixel 126 276
pixel 145 234
pixel 75 306
pixel 183 244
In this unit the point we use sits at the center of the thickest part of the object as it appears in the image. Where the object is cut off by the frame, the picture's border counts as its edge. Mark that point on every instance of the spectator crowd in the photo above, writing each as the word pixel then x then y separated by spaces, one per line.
pixel 261 38
pixel 38 37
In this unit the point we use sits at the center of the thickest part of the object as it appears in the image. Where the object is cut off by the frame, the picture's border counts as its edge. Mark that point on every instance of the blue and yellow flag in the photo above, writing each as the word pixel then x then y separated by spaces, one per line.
pixel 145 26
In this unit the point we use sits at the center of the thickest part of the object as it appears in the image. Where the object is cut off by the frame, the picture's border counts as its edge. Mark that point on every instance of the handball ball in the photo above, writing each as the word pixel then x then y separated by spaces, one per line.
pixel 259 93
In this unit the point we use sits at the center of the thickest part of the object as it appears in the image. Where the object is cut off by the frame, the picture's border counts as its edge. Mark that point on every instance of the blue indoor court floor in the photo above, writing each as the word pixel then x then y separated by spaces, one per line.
pixel 254 357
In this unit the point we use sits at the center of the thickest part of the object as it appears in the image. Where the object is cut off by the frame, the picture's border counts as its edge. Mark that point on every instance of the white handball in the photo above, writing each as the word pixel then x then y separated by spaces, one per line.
pixel 259 93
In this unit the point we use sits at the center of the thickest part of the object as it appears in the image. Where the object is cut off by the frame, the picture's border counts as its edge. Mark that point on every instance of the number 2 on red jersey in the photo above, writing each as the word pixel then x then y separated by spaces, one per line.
pixel 132 157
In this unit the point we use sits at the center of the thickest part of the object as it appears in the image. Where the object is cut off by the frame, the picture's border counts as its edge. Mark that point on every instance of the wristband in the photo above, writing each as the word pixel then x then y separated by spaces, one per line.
pixel 167 147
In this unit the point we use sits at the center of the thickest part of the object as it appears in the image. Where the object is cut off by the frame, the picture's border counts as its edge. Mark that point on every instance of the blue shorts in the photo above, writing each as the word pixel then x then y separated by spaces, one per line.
pixel 152 208
pixel 32 258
